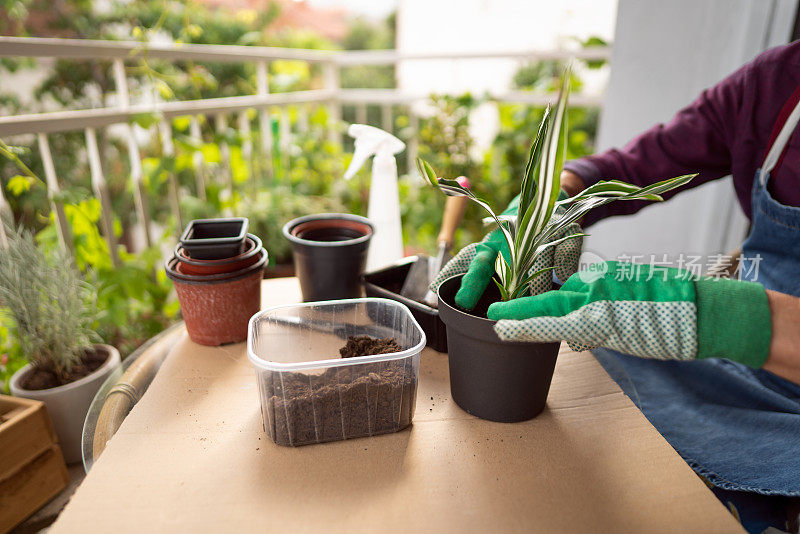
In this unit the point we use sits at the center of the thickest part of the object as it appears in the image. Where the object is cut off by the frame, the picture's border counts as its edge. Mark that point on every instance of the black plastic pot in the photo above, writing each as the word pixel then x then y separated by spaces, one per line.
pixel 489 378
pixel 214 239
pixel 330 251
pixel 387 283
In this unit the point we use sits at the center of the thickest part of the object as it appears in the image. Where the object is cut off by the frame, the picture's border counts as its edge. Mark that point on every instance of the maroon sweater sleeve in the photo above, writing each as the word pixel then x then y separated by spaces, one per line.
pixel 696 140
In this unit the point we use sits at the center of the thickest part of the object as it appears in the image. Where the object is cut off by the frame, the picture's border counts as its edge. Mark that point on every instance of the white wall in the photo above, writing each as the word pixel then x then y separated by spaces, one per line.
pixel 427 26
pixel 664 54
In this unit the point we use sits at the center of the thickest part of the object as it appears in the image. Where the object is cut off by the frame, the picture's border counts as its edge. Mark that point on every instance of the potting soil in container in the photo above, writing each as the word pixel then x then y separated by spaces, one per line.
pixel 335 370
pixel 344 402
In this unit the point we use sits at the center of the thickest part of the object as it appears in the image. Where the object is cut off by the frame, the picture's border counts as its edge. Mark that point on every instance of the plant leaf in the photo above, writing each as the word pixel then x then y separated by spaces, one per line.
pixel 19 184
pixel 426 171
pixel 528 279
pixel 549 182
pixel 662 187
pixel 528 189
pixel 453 188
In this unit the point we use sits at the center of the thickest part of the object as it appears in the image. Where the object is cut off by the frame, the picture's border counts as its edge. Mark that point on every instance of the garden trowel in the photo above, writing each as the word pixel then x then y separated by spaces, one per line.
pixel 425 269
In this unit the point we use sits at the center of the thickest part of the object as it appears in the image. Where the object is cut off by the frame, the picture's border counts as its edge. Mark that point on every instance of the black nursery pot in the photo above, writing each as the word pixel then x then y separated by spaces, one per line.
pixel 489 378
pixel 330 251
pixel 215 239
pixel 388 282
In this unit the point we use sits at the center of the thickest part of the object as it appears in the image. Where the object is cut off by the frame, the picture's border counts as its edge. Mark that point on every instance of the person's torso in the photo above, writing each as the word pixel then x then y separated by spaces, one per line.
pixel 771 89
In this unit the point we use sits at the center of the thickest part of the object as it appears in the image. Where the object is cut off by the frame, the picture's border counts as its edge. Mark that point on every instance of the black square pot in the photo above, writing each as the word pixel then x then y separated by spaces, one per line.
pixel 215 239
pixel 387 283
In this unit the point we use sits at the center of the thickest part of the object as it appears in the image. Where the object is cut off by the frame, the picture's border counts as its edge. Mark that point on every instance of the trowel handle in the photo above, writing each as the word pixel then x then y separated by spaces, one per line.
pixel 453 213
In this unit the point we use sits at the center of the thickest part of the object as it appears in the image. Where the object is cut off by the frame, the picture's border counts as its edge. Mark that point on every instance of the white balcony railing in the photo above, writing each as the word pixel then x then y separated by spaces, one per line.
pixel 332 96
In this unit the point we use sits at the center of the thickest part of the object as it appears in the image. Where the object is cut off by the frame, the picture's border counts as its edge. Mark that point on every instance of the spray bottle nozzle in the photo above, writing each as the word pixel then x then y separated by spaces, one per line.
pixel 370 141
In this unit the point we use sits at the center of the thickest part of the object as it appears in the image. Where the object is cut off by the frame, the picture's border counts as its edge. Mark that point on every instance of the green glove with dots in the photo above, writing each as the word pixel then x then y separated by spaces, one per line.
pixel 648 311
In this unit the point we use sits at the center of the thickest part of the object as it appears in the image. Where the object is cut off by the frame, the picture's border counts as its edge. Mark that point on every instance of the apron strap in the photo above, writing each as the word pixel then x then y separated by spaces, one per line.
pixel 779 141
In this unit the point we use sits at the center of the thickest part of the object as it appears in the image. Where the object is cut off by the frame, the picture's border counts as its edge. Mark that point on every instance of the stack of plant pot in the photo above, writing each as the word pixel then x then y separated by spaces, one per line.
pixel 217 270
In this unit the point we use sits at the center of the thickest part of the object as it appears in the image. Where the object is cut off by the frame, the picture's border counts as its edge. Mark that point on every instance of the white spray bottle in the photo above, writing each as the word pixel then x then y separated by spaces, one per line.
pixel 386 245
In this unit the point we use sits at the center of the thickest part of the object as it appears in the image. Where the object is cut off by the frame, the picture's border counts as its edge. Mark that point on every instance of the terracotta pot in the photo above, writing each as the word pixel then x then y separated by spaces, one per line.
pixel 329 251
pixel 489 378
pixel 197 267
pixel 217 308
pixel 68 404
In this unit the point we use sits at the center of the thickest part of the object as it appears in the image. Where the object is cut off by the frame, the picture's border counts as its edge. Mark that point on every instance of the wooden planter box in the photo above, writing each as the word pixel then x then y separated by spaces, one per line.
pixel 32 470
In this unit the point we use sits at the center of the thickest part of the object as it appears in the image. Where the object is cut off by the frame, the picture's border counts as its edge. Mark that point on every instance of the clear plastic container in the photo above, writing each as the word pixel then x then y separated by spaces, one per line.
pixel 309 394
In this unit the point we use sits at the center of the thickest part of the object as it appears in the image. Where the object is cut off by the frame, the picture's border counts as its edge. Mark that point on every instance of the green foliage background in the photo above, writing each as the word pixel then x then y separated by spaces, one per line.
pixel 303 174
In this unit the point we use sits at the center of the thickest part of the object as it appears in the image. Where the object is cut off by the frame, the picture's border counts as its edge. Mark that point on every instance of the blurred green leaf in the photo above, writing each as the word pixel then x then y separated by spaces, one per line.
pixel 19 184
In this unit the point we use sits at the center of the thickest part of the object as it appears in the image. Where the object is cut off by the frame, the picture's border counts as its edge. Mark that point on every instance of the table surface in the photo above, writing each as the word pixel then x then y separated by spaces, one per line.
pixel 192 456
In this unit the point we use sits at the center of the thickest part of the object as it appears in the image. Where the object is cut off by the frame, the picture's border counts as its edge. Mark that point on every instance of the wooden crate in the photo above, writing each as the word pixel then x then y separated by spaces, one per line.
pixel 32 469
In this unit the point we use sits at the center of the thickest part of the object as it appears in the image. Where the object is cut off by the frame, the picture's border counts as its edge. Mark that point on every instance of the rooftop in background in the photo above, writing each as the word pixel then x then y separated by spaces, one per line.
pixel 330 22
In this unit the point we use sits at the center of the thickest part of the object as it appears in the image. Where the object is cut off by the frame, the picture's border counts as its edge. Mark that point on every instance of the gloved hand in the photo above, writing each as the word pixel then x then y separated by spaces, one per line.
pixel 647 311
pixel 477 262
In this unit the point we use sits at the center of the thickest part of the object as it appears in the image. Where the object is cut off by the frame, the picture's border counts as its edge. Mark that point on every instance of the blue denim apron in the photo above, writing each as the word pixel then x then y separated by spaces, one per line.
pixel 737 427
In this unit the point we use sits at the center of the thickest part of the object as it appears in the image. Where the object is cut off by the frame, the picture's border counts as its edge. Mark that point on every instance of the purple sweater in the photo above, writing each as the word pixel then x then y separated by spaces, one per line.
pixel 726 130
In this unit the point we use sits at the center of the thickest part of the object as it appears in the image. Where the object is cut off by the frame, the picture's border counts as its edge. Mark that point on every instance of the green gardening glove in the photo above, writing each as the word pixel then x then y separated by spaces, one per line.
pixel 477 262
pixel 647 311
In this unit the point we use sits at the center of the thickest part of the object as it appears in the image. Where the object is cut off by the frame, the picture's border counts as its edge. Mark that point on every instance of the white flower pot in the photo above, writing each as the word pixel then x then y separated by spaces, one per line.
pixel 68 404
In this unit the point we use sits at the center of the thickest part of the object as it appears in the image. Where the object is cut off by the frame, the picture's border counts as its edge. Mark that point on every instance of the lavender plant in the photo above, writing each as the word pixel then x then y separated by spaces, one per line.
pixel 541 217
pixel 51 306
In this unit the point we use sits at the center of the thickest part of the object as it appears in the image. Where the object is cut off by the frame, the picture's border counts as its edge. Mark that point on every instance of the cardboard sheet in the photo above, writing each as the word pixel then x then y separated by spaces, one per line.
pixel 192 457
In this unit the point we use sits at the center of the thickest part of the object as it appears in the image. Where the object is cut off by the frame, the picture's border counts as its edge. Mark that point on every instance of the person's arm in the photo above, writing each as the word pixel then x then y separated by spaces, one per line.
pixel 572 183
pixel 784 347
pixel 696 140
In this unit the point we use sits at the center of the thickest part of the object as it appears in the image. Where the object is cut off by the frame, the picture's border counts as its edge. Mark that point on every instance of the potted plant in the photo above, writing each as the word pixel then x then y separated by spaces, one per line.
pixel 330 252
pixel 499 380
pixel 53 312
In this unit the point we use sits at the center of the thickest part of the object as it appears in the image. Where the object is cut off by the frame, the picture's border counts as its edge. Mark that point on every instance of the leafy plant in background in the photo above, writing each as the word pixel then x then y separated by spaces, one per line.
pixel 133 303
pixel 268 210
pixel 537 224
pixel 51 307
pixel 136 303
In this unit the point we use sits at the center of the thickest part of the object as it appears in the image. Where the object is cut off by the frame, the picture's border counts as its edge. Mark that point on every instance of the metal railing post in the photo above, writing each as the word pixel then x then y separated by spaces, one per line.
pixel 412 145
pixel 139 193
pixel 247 147
pixel 361 113
pixel 285 138
pixel 168 147
pixel 221 125
pixel 264 126
pixel 387 122
pixel 302 118
pixel 5 209
pixel 62 226
pixel 197 159
pixel 333 85
pixel 101 192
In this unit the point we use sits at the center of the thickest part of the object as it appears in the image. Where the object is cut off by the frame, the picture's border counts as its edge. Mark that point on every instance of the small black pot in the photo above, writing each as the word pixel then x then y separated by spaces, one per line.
pixel 330 251
pixel 489 378
pixel 214 239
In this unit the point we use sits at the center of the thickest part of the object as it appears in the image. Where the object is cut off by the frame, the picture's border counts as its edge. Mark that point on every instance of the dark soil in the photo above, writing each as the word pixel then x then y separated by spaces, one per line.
pixel 343 402
pixel 46 377
pixel 368 346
